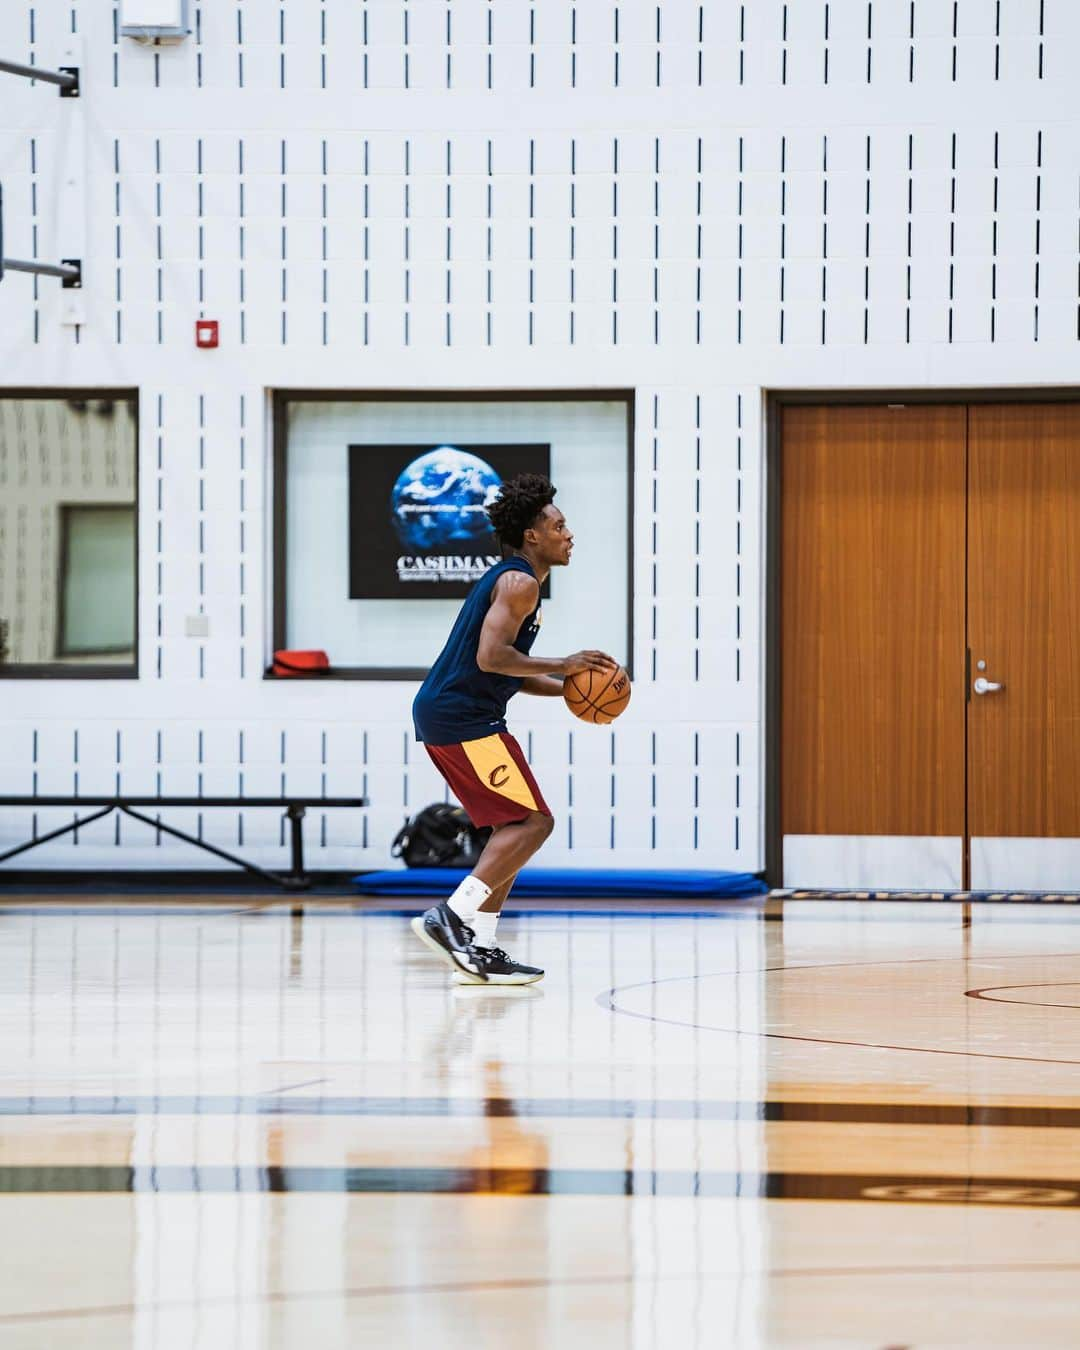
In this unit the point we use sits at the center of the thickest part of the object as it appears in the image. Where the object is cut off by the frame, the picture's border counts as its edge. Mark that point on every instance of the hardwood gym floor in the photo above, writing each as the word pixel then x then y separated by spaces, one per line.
pixel 233 1124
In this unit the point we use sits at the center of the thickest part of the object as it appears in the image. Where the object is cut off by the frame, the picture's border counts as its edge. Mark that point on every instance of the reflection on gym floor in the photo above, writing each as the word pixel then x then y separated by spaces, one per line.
pixel 249 1125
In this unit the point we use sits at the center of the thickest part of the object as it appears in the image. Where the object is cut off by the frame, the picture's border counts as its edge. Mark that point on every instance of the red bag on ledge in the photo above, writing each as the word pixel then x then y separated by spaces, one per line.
pixel 300 663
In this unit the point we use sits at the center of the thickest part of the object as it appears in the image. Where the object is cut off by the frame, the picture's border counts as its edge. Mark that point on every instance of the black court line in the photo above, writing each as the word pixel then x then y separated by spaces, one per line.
pixel 129 911
pixel 972 1116
pixel 988 994
pixel 527 1284
pixel 607 999
pixel 359 910
pixel 172 1179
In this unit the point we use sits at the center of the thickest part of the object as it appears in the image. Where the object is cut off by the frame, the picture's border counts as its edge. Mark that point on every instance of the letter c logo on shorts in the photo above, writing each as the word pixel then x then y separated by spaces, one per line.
pixel 499 776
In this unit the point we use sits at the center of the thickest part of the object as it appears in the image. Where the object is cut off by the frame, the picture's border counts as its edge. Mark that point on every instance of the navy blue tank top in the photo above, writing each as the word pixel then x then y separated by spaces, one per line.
pixel 458 701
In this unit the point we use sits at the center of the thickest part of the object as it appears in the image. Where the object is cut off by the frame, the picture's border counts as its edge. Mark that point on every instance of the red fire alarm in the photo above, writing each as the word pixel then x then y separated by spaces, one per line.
pixel 206 333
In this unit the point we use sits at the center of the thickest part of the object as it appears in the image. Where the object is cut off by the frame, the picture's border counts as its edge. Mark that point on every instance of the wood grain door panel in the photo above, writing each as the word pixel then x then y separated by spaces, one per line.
pixel 1024 619
pixel 873 620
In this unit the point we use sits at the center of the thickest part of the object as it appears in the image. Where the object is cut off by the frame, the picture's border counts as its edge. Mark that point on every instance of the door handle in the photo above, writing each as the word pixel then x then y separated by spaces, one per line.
pixel 984 686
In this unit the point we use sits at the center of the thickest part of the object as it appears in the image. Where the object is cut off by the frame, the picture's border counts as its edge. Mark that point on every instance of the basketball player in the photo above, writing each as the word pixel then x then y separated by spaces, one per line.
pixel 460 716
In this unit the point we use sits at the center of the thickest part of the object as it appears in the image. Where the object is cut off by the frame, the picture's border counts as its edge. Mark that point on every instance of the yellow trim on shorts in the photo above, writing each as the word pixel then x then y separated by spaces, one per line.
pixel 491 759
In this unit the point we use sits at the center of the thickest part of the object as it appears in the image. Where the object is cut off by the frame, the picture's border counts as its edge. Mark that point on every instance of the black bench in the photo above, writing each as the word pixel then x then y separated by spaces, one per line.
pixel 296 879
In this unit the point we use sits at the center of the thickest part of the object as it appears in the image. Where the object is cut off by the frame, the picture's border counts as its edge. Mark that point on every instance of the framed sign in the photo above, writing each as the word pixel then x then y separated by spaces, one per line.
pixel 418 524
pixel 380 526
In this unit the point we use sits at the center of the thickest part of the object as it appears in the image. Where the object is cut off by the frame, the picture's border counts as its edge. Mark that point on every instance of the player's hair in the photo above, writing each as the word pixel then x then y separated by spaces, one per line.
pixel 515 509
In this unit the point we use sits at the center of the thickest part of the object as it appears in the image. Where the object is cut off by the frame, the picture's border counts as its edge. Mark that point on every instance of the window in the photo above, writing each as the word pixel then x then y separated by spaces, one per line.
pixel 379 526
pixel 68 535
pixel 97 581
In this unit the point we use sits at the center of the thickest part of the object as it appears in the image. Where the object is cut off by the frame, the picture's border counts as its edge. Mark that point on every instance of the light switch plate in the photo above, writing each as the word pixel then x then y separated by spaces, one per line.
pixel 197 625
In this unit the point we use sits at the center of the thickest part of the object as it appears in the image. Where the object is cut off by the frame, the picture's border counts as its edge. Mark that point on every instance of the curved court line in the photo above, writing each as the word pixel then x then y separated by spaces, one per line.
pixel 607 999
pixel 527 1283
pixel 987 994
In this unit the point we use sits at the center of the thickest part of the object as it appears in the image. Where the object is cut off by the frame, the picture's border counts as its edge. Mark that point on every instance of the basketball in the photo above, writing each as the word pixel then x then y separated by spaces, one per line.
pixel 597 695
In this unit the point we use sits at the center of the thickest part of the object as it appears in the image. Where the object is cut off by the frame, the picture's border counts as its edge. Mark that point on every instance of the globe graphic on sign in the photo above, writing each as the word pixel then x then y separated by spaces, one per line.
pixel 439 501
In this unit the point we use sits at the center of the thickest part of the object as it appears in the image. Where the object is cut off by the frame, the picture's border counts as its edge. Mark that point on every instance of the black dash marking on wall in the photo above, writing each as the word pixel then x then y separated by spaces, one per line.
pixel 367 243
pixel 997 44
pixel 697 786
pixel 738 534
pixel 994 238
pixel 866 249
pixel 1038 225
pixel 531 330
pixel 1042 34
pixel 699 237
pixel 824 233
pixel 910 208
pixel 869 40
pixel 952 235
pixel 364 40
pixel 826 64
pixel 322 44
pixel 652 793
pixel 449 241
pixel 697 537
pixel 615 242
pixel 405 42
pixel 739 279
pixel 783 228
pixel 911 39
pixel 656 240
pixel 573 235
pixel 489 274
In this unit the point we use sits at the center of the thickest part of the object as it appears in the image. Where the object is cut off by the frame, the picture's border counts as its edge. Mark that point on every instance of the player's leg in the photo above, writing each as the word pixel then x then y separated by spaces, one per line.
pixel 495 901
pixel 510 846
pixel 493 782
pixel 494 965
pixel 486 918
pixel 508 850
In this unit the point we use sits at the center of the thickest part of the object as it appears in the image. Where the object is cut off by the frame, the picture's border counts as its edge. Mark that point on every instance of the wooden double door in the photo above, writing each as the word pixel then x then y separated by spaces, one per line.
pixel 930 646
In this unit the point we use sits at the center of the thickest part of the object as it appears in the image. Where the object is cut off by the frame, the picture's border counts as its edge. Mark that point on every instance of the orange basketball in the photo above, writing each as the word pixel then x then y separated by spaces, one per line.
pixel 597 695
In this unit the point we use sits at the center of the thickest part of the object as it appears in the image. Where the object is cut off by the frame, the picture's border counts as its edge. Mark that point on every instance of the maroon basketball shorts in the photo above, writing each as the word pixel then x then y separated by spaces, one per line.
pixel 491 778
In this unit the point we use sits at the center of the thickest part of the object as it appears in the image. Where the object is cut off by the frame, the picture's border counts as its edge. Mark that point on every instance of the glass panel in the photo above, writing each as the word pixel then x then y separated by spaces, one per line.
pixel 588 448
pixel 67 582
pixel 99 581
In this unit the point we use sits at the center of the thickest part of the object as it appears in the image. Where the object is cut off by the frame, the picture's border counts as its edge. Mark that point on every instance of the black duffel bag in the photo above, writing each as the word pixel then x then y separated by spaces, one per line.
pixel 439 836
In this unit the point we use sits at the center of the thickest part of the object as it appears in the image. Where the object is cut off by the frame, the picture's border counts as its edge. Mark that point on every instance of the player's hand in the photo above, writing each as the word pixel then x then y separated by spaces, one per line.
pixel 583 661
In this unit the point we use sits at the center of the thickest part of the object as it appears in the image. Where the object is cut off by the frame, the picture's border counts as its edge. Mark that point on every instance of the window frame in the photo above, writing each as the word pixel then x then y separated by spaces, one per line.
pixel 280 400
pixel 89 670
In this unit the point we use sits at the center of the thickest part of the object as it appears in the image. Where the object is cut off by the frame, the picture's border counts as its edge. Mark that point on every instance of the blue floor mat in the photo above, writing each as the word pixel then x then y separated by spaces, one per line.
pixel 568 881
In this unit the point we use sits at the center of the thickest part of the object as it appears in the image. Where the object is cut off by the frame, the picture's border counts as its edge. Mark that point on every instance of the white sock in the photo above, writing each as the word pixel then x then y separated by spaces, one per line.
pixel 483 925
pixel 468 898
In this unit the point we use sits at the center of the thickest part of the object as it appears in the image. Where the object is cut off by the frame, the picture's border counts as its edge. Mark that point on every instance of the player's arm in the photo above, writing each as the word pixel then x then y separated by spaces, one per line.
pixel 547 686
pixel 514 599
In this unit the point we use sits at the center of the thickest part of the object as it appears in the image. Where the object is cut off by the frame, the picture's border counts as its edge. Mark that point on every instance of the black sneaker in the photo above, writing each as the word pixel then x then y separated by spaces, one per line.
pixel 495 967
pixel 451 938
